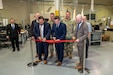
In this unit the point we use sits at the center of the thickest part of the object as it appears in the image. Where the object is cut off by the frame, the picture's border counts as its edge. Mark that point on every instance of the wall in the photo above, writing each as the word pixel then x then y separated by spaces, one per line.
pixel 17 10
pixel 21 10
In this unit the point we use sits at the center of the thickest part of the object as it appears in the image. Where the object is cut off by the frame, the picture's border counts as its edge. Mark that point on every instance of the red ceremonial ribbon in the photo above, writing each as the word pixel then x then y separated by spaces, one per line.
pixel 56 41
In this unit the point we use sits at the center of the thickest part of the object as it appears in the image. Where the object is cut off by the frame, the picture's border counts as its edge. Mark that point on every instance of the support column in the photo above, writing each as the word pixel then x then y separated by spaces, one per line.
pixel 57 4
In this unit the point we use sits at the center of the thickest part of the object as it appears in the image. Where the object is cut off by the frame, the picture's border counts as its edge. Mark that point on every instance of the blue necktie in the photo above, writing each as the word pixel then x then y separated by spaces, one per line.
pixel 77 30
pixel 77 27
pixel 57 27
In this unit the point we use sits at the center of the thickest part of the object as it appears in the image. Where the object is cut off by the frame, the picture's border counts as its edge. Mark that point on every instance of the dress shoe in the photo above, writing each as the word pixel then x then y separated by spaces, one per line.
pixel 38 61
pixel 18 49
pixel 45 62
pixel 70 57
pixel 56 61
pixel 77 63
pixel 78 67
pixel 36 56
pixel 65 55
pixel 86 57
pixel 13 50
pixel 59 64
pixel 51 56
pixel 42 54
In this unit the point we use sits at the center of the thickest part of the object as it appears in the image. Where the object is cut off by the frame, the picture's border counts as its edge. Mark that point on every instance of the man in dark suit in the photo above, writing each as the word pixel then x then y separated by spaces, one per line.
pixel 13 32
pixel 59 33
pixel 81 33
pixel 42 32
pixel 34 22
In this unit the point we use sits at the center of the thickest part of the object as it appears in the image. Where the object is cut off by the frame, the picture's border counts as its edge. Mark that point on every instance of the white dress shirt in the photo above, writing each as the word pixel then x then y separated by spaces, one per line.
pixel 41 30
pixel 13 26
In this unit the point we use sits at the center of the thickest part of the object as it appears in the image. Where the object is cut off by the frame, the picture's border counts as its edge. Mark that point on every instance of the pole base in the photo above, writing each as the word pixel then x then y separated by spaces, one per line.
pixel 32 64
pixel 86 69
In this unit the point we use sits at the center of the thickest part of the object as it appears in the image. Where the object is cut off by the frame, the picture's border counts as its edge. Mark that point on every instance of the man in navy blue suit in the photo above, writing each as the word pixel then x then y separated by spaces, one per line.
pixel 42 32
pixel 59 33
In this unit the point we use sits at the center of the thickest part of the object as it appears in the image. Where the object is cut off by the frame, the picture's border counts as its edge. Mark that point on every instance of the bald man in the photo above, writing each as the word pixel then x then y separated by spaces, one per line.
pixel 35 22
pixel 89 34
pixel 81 33
pixel 13 33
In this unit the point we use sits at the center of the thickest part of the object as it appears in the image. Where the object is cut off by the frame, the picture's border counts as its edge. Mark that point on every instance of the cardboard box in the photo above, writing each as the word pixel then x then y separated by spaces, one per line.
pixel 111 26
pixel 105 37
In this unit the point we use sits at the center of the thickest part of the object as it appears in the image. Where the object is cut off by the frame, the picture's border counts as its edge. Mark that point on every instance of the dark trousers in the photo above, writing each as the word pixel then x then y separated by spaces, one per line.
pixel 15 41
pixel 59 49
pixel 42 46
pixel 87 46
pixel 36 48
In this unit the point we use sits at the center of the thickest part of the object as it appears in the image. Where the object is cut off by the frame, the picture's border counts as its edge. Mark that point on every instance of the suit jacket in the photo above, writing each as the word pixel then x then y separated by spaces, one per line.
pixel 46 30
pixel 81 34
pixel 60 32
pixel 13 32
pixel 32 27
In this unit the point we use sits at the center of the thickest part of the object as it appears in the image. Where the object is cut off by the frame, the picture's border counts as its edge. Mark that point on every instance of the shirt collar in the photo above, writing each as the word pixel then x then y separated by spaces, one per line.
pixel 41 25
pixel 13 24
pixel 80 23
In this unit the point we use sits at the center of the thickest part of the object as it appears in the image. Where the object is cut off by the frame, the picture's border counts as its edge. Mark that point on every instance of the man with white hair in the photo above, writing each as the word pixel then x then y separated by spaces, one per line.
pixel 81 33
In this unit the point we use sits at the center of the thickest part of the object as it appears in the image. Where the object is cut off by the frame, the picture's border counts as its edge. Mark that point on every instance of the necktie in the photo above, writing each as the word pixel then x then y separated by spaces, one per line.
pixel 77 27
pixel 77 30
pixel 57 27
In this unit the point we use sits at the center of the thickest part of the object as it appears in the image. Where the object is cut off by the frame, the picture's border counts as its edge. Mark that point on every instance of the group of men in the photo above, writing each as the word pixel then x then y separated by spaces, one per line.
pixel 42 31
pixel 58 30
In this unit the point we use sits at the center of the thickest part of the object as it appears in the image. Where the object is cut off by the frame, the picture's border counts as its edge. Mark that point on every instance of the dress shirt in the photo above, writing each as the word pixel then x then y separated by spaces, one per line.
pixel 41 30
pixel 13 26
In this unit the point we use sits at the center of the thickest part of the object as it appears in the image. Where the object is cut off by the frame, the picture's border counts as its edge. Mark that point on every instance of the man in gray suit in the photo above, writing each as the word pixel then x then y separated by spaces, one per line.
pixel 81 33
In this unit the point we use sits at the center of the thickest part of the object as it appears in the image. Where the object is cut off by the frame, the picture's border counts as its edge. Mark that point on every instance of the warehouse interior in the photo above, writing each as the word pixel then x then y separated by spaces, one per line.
pixel 100 52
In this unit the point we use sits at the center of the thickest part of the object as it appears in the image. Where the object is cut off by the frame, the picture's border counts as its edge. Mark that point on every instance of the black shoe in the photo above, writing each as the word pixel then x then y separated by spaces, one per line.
pixel 86 57
pixel 13 50
pixel 18 49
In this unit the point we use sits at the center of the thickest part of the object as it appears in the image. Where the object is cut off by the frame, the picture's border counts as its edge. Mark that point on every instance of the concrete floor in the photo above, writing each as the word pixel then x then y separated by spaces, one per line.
pixel 15 63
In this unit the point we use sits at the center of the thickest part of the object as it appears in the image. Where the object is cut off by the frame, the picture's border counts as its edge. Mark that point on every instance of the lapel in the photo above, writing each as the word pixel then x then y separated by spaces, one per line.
pixel 81 26
pixel 11 27
pixel 39 29
pixel 44 29
pixel 58 27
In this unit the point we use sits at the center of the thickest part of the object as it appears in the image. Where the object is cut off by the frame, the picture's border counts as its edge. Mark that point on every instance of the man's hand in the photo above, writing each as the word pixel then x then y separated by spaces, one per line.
pixel 73 38
pixel 32 38
pixel 77 40
pixel 7 37
pixel 57 40
pixel 54 38
pixel 44 39
pixel 19 35
pixel 39 38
